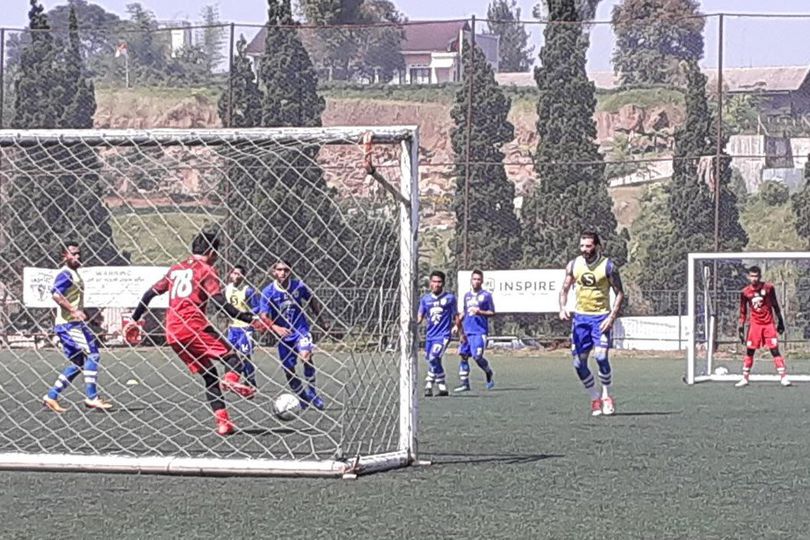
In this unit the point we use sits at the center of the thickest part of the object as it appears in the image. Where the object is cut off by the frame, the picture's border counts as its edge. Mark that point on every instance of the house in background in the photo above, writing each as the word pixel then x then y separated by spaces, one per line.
pixel 431 51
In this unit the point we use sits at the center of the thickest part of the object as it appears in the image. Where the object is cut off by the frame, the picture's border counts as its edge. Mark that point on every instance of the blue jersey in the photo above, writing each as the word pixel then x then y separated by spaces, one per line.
pixel 477 324
pixel 440 312
pixel 69 284
pixel 286 306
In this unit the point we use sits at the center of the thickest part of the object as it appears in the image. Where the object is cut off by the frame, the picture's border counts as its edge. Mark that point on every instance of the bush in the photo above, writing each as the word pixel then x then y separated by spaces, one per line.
pixel 773 193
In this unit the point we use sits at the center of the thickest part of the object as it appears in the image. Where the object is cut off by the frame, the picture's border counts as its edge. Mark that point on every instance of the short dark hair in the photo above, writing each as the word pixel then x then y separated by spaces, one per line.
pixel 69 244
pixel 590 235
pixel 477 272
pixel 281 261
pixel 205 242
pixel 755 270
pixel 438 274
pixel 239 267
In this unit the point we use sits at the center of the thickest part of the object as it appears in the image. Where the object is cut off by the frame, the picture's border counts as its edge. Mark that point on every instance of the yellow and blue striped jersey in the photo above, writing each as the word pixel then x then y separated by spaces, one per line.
pixel 242 298
pixel 69 284
pixel 592 285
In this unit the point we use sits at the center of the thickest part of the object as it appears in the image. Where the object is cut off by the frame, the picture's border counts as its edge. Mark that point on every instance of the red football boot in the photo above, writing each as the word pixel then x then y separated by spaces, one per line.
pixel 231 383
pixel 224 425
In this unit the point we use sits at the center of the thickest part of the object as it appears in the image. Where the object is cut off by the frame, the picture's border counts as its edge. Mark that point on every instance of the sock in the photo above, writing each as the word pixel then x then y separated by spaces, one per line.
pixel 213 393
pixel 293 381
pixel 63 381
pixel 605 373
pixel 90 373
pixel 438 370
pixel 249 371
pixel 748 362
pixel 234 363
pixel 309 374
pixel 779 362
pixel 585 375
pixel 484 365
pixel 464 371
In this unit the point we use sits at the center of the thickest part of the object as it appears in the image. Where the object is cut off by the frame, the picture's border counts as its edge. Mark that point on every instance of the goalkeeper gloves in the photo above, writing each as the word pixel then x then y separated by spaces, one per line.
pixel 780 326
pixel 741 332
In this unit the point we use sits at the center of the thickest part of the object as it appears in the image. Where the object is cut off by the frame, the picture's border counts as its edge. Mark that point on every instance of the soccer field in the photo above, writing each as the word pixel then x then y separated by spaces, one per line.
pixel 522 461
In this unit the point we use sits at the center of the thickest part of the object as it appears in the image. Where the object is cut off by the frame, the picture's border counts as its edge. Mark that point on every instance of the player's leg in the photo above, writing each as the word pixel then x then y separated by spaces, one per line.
pixel 435 360
pixel 464 367
pixel 602 341
pixel 92 360
pixel 193 354
pixel 303 348
pixel 207 346
pixel 581 345
pixel 478 345
pixel 71 371
pixel 241 339
pixel 289 359
pixel 753 343
pixel 772 342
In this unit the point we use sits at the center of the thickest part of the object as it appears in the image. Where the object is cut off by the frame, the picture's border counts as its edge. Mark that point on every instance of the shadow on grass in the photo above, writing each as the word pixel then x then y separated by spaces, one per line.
pixel 455 458
pixel 647 413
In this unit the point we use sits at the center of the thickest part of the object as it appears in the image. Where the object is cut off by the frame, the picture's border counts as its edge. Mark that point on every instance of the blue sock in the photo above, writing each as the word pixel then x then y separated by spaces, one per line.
pixel 249 371
pixel 438 370
pixel 65 378
pixel 464 370
pixel 90 373
pixel 585 375
pixel 605 373
pixel 309 374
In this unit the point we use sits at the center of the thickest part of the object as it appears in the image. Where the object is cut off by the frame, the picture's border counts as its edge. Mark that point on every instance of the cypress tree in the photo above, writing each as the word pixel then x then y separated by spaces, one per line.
pixel 571 192
pixel 494 231
pixel 800 203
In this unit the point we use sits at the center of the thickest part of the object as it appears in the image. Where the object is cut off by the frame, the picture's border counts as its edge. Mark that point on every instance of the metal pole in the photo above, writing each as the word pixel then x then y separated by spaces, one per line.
pixel 468 136
pixel 230 80
pixel 2 75
pixel 719 155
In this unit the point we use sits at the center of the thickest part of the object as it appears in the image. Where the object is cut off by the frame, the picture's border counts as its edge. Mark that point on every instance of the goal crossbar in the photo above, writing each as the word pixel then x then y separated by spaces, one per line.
pixel 691 377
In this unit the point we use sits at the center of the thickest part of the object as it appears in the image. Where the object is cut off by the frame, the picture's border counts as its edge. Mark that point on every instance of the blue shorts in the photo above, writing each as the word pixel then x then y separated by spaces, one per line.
pixel 585 334
pixel 77 341
pixel 292 346
pixel 434 348
pixel 475 346
pixel 241 339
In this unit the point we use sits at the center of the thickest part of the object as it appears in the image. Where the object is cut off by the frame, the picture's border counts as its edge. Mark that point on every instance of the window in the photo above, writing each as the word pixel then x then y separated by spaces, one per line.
pixel 420 75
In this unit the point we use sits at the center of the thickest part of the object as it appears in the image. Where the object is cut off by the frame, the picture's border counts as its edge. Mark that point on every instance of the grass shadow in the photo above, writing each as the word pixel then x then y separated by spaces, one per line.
pixel 456 458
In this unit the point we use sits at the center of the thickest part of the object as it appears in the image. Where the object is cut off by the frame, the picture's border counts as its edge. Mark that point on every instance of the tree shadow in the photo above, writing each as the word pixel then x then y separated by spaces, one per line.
pixel 260 432
pixel 456 458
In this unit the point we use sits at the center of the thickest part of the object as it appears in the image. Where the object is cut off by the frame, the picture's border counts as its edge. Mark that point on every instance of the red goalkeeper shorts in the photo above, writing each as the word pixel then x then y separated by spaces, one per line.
pixel 198 350
pixel 762 335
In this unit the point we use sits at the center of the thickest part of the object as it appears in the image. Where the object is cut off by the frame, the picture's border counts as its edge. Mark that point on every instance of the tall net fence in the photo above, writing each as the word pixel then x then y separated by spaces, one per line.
pixel 388 71
pixel 134 200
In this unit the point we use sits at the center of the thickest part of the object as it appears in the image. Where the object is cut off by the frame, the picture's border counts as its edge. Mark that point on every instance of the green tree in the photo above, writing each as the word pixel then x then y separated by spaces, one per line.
pixel 494 231
pixel 244 90
pixel 801 210
pixel 211 38
pixel 58 193
pixel 504 20
pixel 653 37
pixel 571 191
pixel 148 48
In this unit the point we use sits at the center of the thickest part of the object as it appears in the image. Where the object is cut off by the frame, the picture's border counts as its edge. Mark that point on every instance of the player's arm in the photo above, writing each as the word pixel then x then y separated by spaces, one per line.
pixel 155 290
pixel 566 286
pixel 489 308
pixel 616 284
pixel 222 304
pixel 743 317
pixel 780 322
pixel 420 316
pixel 268 315
pixel 61 285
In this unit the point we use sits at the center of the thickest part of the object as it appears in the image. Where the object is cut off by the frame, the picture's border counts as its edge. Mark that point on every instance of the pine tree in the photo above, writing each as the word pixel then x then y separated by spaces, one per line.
pixel 801 209
pixel 653 37
pixel 504 20
pixel 571 192
pixel 212 36
pixel 494 231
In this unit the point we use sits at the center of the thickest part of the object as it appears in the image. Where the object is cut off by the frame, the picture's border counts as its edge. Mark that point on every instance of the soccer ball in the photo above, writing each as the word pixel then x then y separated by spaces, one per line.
pixel 284 407
pixel 721 371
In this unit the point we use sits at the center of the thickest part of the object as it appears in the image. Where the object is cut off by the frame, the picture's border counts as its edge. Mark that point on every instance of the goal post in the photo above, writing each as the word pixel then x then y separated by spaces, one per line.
pixel 133 199
pixel 714 282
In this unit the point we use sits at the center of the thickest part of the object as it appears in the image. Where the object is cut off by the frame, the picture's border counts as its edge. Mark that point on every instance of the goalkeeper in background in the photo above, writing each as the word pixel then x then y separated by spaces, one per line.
pixel 244 298
pixel 78 342
pixel 759 299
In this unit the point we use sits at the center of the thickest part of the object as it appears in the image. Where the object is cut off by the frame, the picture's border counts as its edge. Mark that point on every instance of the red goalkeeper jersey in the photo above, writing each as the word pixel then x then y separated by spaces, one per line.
pixel 759 301
pixel 190 284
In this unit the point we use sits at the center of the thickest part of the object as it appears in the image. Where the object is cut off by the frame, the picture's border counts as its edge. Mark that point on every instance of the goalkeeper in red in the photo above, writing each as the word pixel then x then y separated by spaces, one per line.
pixel 191 284
pixel 759 299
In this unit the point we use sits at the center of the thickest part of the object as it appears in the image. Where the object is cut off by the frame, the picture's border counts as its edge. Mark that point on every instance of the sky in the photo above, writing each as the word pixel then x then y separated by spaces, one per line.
pixel 747 41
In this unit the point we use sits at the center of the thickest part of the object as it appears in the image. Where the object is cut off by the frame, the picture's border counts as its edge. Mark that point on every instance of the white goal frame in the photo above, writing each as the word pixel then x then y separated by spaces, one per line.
pixel 407 201
pixel 691 354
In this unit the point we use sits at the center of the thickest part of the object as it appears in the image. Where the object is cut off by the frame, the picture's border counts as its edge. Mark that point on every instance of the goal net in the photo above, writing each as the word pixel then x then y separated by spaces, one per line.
pixel 134 200
pixel 715 281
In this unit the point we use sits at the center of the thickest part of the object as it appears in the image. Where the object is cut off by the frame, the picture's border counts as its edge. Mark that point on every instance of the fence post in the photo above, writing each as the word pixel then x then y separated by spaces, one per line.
pixel 230 78
pixel 2 75
pixel 468 135
pixel 680 316
pixel 717 164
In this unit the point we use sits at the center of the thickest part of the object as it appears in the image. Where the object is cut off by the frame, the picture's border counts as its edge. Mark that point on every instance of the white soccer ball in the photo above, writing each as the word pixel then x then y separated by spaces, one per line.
pixel 721 371
pixel 285 406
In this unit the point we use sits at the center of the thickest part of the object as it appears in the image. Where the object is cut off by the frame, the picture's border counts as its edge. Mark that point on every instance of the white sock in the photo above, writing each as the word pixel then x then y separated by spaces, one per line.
pixel 605 391
pixel 594 392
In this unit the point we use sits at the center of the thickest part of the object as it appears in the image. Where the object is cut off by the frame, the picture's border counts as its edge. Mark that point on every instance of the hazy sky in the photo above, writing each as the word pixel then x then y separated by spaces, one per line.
pixel 748 41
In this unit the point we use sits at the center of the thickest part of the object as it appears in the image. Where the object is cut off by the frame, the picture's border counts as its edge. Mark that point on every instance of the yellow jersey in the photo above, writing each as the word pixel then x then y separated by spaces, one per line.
pixel 241 298
pixel 592 286
pixel 69 284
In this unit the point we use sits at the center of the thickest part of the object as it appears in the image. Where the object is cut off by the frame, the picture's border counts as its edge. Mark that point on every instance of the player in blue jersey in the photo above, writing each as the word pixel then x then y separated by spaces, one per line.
pixel 593 276
pixel 283 306
pixel 478 308
pixel 245 298
pixel 78 342
pixel 439 309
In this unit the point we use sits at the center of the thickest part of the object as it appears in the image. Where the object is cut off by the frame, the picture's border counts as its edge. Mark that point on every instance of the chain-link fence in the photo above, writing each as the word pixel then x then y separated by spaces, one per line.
pixel 677 179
